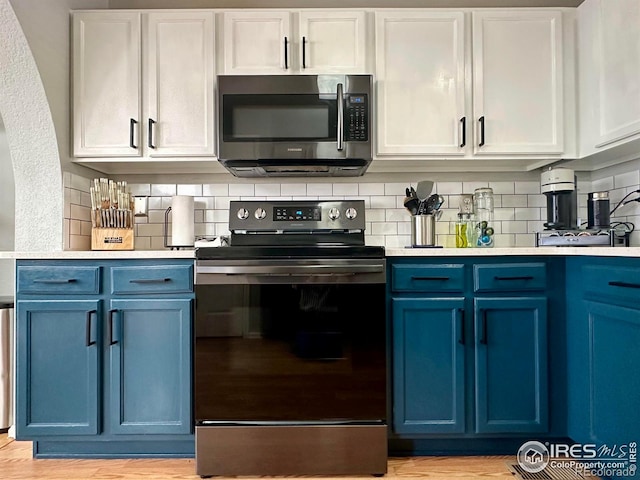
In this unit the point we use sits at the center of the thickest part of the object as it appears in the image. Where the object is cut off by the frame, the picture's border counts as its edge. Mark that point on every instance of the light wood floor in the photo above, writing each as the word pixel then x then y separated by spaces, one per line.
pixel 16 464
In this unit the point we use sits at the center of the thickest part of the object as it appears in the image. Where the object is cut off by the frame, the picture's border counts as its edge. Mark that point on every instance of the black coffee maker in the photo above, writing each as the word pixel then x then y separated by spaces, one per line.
pixel 559 186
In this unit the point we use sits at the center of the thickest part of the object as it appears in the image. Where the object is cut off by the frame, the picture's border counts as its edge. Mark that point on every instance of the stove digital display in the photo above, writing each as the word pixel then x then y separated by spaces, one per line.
pixel 311 214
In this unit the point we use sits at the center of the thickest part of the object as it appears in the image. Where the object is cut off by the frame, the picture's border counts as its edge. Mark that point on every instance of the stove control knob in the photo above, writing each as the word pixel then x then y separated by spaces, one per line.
pixel 243 214
pixel 334 213
pixel 260 213
pixel 351 213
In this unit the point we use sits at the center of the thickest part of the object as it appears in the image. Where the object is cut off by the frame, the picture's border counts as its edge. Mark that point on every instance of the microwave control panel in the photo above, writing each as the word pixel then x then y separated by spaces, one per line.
pixel 356 117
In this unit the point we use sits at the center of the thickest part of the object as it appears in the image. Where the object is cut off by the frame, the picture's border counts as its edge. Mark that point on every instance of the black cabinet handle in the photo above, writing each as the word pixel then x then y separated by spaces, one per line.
pixel 481 120
pixel 526 277
pixel 67 280
pixel 463 122
pixel 483 327
pixel 90 314
pixel 462 327
pixel 111 340
pixel 132 124
pixel 150 280
pixel 624 284
pixel 286 53
pixel 150 135
pixel 439 279
pixel 304 52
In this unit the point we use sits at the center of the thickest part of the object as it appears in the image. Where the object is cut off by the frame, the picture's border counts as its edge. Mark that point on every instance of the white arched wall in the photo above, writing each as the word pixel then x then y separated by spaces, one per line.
pixel 32 142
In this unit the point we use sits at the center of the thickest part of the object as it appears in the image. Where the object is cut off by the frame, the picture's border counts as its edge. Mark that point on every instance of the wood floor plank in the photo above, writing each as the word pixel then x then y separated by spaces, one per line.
pixel 16 463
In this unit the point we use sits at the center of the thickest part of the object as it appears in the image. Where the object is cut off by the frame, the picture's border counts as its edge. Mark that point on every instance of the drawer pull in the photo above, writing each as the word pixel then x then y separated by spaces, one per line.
pixel 624 284
pixel 527 277
pixel 150 280
pixel 438 279
pixel 111 340
pixel 90 314
pixel 462 328
pixel 68 280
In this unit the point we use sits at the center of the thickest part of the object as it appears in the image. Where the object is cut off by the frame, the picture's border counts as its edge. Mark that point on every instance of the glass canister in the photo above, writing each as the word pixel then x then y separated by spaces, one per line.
pixel 483 206
pixel 465 231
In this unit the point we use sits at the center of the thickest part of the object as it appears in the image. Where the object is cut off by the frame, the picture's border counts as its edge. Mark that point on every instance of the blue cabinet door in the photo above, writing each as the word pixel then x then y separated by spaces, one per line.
pixel 428 365
pixel 511 365
pixel 57 387
pixel 614 359
pixel 149 344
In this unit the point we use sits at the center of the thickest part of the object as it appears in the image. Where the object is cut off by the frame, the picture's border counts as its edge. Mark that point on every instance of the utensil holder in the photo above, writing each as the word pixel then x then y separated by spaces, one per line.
pixel 423 230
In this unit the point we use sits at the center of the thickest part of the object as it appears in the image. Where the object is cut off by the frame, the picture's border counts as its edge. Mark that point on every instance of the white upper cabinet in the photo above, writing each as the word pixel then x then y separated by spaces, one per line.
pixel 609 62
pixel 420 73
pixel 470 83
pixel 257 42
pixel 282 42
pixel 518 82
pixel 169 111
pixel 106 84
pixel 180 83
pixel 332 42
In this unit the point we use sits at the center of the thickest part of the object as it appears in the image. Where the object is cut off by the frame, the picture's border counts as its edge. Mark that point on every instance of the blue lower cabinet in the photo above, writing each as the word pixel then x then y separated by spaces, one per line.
pixel 58 367
pixel 150 366
pixel 511 369
pixel 614 358
pixel 104 374
pixel 428 365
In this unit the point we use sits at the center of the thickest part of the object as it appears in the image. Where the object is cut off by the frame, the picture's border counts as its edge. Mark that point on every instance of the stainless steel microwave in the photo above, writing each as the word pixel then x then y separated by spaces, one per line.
pixel 294 125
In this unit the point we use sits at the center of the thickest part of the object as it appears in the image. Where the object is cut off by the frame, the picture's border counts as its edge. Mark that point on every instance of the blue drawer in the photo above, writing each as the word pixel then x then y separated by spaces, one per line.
pixel 152 279
pixel 510 277
pixel 612 283
pixel 59 280
pixel 427 278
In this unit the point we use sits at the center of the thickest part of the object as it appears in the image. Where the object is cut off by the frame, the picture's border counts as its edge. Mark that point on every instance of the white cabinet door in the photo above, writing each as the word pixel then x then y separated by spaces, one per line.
pixel 618 70
pixel 257 42
pixel 517 88
pixel 332 42
pixel 179 53
pixel 420 83
pixel 106 84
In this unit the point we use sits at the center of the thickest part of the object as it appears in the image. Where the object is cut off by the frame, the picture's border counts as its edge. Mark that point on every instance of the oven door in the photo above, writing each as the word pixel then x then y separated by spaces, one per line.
pixel 272 349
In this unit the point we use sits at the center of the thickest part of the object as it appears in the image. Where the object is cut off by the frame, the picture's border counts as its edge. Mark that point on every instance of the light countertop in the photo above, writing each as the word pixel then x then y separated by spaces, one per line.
pixel 390 252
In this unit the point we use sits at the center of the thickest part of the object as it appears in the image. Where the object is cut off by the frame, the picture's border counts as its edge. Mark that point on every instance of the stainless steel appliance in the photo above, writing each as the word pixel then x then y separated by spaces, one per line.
pixel 290 344
pixel 598 208
pixel 559 186
pixel 294 125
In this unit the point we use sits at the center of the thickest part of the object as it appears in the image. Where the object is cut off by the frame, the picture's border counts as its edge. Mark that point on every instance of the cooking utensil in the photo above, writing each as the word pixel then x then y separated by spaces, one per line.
pixel 412 204
pixel 433 203
pixel 424 188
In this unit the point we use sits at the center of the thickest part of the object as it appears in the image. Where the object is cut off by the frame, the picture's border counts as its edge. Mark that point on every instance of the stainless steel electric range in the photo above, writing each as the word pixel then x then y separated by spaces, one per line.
pixel 290 345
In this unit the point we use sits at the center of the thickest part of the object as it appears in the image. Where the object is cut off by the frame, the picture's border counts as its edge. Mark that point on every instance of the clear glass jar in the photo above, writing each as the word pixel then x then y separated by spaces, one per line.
pixel 461 232
pixel 483 206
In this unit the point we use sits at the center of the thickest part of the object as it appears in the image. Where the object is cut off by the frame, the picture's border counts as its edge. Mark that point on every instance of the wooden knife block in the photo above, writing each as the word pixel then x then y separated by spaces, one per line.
pixel 112 239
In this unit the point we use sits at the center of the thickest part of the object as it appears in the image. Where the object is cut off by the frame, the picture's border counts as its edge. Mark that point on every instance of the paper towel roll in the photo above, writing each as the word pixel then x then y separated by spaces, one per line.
pixel 182 223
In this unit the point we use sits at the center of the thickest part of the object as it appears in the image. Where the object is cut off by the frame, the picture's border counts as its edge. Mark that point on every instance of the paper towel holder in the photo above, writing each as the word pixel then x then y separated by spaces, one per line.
pixel 166 233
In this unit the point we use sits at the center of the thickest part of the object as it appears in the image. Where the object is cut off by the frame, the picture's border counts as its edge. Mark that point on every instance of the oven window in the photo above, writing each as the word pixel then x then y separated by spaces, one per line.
pixel 265 118
pixel 290 352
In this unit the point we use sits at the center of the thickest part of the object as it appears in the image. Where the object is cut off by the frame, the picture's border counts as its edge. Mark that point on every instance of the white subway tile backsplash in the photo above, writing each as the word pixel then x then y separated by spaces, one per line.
pixel 527 213
pixel 192 190
pixel 320 189
pixel 627 179
pixel 163 190
pixel 241 190
pixel 514 201
pixel 469 187
pixel 520 208
pixel 371 189
pixel 345 189
pixel 502 188
pixel 527 187
pixel 448 188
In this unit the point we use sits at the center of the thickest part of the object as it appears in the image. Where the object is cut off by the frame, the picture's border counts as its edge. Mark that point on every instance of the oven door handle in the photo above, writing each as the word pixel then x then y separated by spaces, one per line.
pixel 288 270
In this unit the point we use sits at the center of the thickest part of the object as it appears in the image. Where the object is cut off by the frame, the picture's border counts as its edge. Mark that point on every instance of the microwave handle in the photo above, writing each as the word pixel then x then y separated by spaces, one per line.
pixel 340 132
